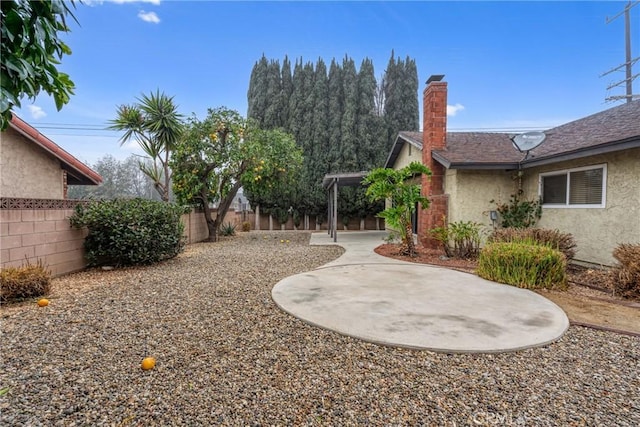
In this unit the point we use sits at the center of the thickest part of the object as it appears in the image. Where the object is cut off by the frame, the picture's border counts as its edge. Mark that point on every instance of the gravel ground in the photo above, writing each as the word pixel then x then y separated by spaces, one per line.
pixel 226 355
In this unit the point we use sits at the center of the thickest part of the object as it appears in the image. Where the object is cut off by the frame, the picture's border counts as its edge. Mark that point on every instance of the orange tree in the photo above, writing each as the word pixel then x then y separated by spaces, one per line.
pixel 395 185
pixel 218 155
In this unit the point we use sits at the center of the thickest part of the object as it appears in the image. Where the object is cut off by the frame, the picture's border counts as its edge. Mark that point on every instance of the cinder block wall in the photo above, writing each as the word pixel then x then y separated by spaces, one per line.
pixel 29 235
pixel 33 230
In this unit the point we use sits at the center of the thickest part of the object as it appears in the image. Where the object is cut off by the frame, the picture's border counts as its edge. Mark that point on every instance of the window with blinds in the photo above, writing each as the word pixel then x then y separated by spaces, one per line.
pixel 580 187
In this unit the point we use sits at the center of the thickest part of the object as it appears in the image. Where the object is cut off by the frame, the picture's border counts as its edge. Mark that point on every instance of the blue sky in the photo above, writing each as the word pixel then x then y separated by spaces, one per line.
pixel 509 65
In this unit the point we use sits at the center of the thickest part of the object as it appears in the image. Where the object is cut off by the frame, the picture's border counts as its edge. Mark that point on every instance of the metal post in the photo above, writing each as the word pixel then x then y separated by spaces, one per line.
pixel 329 210
pixel 335 211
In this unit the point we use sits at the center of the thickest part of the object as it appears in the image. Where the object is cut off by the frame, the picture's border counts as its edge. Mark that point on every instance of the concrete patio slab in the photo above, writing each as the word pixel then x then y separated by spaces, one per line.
pixel 391 302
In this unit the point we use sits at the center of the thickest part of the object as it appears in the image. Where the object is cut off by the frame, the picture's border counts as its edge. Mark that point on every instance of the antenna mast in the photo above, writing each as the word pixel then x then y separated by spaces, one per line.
pixel 629 61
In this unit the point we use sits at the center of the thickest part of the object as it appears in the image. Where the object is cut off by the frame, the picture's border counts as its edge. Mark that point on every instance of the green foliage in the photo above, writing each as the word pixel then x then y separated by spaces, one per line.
pixel 280 214
pixel 525 265
pixel 297 219
pixel 626 273
pixel 219 154
pixel 31 50
pixel 154 122
pixel 392 184
pixel 28 281
pixel 332 116
pixel 459 239
pixel 518 213
pixel 564 242
pixel 401 107
pixel 228 229
pixel 130 232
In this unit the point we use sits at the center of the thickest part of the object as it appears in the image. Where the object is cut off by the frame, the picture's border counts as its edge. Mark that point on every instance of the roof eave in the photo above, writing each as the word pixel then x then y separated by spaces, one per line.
pixel 397 147
pixel 472 165
pixel 81 172
pixel 626 144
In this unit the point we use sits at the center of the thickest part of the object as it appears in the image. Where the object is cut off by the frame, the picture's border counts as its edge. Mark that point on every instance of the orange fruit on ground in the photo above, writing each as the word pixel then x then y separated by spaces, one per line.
pixel 43 302
pixel 148 363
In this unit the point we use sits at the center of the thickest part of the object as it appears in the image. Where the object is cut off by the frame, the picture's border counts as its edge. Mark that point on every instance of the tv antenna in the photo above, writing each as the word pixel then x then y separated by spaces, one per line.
pixel 629 62
pixel 527 141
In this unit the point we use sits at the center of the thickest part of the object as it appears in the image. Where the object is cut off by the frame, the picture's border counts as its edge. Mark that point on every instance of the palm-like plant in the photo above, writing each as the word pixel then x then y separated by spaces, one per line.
pixel 156 125
pixel 396 185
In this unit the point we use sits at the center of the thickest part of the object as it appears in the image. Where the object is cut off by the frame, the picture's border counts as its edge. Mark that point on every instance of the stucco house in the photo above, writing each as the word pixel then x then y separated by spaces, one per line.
pixel 34 167
pixel 587 173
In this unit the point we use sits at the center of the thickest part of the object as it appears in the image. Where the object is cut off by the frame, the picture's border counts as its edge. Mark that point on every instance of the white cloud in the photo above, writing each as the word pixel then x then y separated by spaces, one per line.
pixel 452 110
pixel 36 112
pixel 149 17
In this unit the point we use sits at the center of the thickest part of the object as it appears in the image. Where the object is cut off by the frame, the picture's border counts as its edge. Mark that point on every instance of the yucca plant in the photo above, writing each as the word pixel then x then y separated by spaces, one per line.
pixel 228 229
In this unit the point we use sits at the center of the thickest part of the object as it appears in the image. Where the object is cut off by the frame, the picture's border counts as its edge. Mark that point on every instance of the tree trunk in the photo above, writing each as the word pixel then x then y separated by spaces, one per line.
pixel 213 225
pixel 407 247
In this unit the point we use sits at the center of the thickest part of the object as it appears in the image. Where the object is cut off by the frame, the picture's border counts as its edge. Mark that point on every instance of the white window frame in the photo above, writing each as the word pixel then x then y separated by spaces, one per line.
pixel 567 172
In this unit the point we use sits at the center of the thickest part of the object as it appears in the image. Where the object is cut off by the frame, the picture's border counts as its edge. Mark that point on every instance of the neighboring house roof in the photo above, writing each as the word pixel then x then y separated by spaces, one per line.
pixel 77 172
pixel 615 129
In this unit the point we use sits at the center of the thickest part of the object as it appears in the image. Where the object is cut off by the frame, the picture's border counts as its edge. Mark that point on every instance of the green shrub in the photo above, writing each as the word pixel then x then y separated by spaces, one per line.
pixel 280 214
pixel 228 229
pixel 459 239
pixel 28 281
pixel 519 213
pixel 525 265
pixel 626 274
pixel 130 232
pixel 564 242
pixel 246 226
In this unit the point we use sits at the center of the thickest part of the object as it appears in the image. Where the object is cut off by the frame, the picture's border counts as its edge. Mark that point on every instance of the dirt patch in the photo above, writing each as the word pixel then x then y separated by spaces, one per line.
pixel 587 301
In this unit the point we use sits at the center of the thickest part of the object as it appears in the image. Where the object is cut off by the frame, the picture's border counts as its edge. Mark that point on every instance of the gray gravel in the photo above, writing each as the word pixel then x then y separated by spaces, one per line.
pixel 226 355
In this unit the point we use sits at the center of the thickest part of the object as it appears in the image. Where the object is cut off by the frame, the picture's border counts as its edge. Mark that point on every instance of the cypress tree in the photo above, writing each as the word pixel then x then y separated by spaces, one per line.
pixel 274 97
pixel 336 105
pixel 287 89
pixel 409 96
pixel 257 93
pixel 348 146
pixel 316 160
pixel 296 102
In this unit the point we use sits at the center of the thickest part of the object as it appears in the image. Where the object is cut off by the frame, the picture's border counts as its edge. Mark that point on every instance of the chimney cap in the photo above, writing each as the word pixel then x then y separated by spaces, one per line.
pixel 435 78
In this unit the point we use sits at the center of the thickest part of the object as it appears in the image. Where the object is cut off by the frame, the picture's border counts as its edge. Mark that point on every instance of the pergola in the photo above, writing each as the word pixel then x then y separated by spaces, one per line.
pixel 332 182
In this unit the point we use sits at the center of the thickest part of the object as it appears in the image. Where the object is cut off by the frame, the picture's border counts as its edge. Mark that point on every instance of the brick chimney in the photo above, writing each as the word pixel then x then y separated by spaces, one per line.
pixel 434 137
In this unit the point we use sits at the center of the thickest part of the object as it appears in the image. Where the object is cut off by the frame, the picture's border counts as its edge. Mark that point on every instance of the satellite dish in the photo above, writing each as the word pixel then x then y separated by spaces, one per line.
pixel 528 141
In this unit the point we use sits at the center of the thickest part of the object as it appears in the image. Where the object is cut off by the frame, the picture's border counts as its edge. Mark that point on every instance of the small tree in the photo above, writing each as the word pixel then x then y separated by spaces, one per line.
pixel 394 185
pixel 31 50
pixel 223 152
pixel 154 122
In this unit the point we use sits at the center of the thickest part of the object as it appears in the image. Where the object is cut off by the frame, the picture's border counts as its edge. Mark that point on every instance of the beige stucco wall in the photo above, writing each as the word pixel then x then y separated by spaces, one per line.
pixel 407 155
pixel 26 170
pixel 471 191
pixel 598 230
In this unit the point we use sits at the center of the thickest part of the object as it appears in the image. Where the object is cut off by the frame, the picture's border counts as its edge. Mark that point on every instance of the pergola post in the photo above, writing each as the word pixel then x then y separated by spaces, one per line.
pixel 335 210
pixel 331 182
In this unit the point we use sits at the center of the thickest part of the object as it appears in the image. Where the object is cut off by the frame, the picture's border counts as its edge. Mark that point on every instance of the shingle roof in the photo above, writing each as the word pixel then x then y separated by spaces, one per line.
pixel 610 130
pixel 615 129
pixel 77 172
pixel 480 149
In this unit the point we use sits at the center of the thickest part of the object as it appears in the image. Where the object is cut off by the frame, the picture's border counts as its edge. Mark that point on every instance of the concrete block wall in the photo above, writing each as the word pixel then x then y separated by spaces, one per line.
pixel 32 235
